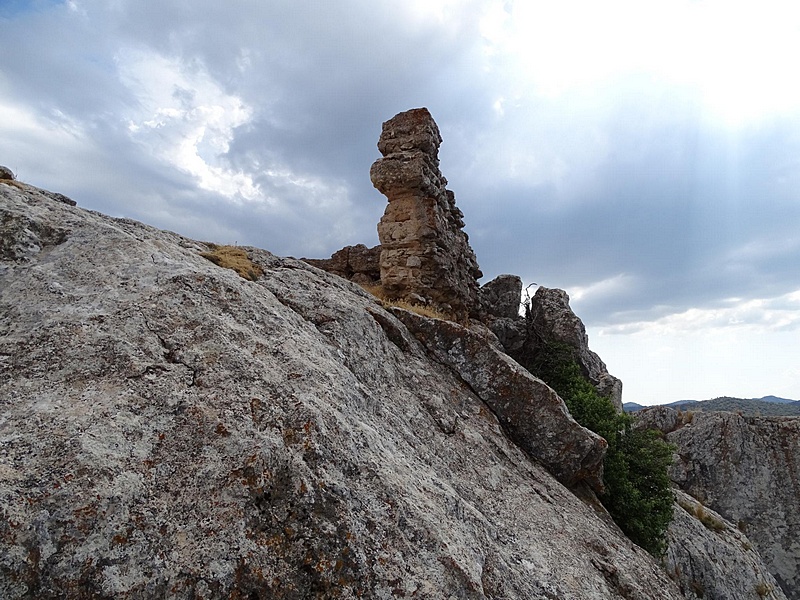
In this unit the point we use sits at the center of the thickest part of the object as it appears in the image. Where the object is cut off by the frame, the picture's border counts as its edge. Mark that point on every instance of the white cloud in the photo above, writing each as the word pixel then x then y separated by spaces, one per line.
pixel 185 118
pixel 659 366
pixel 67 143
pixel 739 57
pixel 612 286
pixel 761 314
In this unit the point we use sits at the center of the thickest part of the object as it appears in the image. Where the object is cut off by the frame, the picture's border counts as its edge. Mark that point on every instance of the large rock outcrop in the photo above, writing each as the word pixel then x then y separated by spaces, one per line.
pixel 551 320
pixel 425 253
pixel 748 470
pixel 532 414
pixel 710 558
pixel 172 430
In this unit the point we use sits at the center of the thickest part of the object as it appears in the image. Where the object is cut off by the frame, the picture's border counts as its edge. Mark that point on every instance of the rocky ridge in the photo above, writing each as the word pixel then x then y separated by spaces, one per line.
pixel 425 257
pixel 710 558
pixel 173 430
pixel 550 320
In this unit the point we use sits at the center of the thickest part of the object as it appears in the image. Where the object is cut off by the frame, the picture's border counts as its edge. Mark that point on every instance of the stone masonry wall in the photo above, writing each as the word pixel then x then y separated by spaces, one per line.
pixel 425 256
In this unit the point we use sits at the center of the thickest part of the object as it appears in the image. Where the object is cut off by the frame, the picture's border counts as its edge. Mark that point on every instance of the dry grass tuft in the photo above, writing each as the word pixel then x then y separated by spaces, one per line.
pixel 233 257
pixel 14 183
pixel 706 518
pixel 422 310
pixel 764 589
pixel 376 290
pixel 425 311
pixel 699 511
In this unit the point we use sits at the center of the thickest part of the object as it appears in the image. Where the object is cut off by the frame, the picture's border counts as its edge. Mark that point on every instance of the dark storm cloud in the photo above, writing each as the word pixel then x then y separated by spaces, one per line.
pixel 320 83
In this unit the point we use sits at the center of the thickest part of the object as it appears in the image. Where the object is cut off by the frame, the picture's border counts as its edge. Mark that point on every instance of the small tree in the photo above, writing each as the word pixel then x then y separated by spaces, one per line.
pixel 638 494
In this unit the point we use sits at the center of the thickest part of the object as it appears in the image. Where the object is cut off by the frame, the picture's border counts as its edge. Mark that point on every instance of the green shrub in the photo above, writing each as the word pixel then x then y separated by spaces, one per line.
pixel 638 493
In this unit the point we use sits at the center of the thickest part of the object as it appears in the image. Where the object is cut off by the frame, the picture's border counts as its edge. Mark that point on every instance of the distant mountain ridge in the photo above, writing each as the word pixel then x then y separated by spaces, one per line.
pixel 766 405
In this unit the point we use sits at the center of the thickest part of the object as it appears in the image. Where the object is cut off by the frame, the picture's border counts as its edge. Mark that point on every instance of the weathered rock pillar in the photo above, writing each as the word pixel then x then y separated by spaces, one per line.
pixel 425 256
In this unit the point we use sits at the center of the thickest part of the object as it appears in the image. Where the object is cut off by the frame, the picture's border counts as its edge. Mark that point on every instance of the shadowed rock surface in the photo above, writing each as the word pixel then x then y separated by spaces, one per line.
pixel 748 470
pixel 425 254
pixel 172 430
pixel 501 297
pixel 551 320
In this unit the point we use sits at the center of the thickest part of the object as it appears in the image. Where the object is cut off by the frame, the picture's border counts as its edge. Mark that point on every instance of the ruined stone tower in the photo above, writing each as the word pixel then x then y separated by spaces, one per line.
pixel 425 254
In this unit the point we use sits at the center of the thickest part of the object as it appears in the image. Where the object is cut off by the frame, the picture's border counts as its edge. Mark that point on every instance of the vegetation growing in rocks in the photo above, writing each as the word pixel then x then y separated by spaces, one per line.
pixel 764 589
pixel 697 509
pixel 638 493
pixel 420 309
pixel 233 257
pixel 13 183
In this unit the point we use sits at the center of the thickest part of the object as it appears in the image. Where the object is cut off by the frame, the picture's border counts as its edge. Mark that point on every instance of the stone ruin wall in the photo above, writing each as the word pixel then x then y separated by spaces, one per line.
pixel 425 254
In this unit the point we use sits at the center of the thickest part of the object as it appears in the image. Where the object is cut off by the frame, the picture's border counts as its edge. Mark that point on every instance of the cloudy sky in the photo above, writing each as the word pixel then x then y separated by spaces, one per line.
pixel 642 155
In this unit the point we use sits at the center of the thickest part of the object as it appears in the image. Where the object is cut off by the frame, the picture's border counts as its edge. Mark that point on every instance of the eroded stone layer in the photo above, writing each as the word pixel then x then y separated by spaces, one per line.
pixel 425 256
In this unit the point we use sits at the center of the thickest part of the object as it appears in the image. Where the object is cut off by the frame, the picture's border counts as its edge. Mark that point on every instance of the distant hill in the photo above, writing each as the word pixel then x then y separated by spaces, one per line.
pixel 778 400
pixel 766 406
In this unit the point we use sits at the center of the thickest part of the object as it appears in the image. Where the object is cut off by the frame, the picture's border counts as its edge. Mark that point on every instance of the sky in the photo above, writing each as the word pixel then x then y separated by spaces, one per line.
pixel 642 155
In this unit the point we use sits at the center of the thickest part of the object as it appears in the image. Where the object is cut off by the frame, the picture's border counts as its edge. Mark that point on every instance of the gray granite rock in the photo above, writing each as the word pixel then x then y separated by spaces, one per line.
pixel 172 430
pixel 748 470
pixel 710 558
pixel 532 414
pixel 502 296
pixel 551 320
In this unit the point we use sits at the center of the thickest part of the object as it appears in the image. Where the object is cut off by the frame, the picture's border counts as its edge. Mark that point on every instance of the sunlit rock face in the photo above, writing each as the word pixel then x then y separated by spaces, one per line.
pixel 425 253
pixel 172 430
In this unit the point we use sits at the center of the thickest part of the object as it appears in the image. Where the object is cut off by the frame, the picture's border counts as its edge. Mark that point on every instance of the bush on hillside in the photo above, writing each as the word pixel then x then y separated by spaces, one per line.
pixel 638 494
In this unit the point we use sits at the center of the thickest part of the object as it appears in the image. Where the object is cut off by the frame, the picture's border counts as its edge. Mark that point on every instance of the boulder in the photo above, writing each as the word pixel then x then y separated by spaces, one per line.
pixel 662 418
pixel 357 263
pixel 6 173
pixel 501 297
